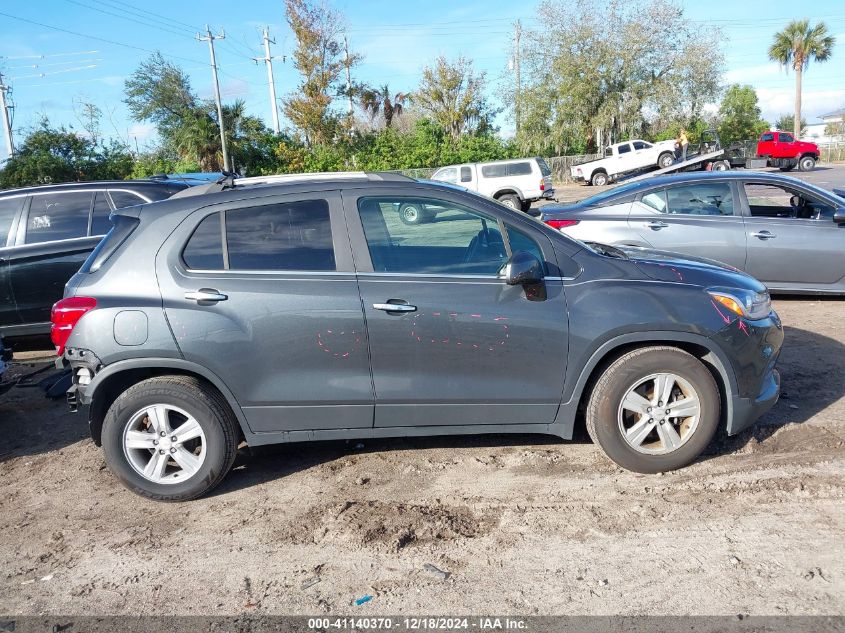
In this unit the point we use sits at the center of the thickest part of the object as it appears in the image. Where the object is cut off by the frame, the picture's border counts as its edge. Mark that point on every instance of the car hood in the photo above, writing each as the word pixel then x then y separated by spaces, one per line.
pixel 668 266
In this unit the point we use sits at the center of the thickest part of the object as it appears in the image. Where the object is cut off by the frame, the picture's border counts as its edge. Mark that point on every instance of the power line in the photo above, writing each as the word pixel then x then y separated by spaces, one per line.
pixel 125 17
pixel 117 4
pixel 94 37
pixel 50 55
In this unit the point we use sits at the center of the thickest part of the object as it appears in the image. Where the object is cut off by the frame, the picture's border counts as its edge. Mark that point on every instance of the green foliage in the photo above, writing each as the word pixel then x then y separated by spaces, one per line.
pixel 786 122
pixel 60 155
pixel 739 115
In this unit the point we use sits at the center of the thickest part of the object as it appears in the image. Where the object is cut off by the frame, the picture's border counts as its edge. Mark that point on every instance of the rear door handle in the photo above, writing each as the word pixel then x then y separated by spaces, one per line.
pixel 205 295
pixel 656 225
pixel 764 235
pixel 395 307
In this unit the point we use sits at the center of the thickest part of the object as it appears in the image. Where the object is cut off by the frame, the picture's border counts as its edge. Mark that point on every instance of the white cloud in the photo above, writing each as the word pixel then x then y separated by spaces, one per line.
pixel 141 131
pixel 750 74
pixel 777 101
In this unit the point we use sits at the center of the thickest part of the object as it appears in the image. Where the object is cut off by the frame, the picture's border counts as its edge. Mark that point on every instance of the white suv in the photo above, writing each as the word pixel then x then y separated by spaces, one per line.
pixel 515 183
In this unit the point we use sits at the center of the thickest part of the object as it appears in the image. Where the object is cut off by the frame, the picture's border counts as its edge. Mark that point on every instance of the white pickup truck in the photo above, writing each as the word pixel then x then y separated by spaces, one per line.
pixel 623 158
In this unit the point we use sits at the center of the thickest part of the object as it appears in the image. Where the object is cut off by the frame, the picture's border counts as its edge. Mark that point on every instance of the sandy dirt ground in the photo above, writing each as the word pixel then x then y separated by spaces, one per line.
pixel 519 524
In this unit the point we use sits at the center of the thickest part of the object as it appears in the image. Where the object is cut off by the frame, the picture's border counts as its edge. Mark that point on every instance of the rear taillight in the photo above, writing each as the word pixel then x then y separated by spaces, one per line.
pixel 65 315
pixel 561 224
pixel 543 184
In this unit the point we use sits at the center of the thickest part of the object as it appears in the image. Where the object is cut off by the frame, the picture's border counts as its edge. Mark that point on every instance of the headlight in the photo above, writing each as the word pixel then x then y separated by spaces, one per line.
pixel 745 303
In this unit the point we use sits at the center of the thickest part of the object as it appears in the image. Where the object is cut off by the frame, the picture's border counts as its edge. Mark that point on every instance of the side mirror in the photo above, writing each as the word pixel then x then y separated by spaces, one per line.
pixel 839 215
pixel 523 269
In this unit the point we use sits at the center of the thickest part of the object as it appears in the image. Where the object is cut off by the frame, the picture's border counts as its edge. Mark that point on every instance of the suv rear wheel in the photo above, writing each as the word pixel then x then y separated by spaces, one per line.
pixel 170 438
pixel 654 409
pixel 511 200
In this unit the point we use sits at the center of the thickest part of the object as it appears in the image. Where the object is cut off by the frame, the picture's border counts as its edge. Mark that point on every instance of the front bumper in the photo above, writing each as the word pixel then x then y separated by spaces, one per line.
pixel 753 348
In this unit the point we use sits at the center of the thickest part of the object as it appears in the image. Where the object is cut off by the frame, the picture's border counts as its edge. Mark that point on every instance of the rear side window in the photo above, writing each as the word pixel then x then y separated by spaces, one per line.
pixel 624 149
pixel 123 199
pixel 8 208
pixel 786 138
pixel 641 145
pixel 497 170
pixel 519 169
pixel 466 174
pixel 100 223
pixel 58 216
pixel 285 236
pixel 701 199
pixel 767 137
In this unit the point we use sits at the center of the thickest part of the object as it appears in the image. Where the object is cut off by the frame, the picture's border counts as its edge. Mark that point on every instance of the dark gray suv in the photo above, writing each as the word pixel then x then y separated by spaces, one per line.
pixel 307 310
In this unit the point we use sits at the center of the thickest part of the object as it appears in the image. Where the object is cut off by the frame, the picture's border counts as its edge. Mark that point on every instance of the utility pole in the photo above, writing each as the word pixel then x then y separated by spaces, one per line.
pixel 210 39
pixel 516 36
pixel 7 120
pixel 350 111
pixel 268 59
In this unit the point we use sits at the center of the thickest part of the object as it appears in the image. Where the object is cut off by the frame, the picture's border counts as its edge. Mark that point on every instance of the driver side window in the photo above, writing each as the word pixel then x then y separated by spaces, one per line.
pixel 772 201
pixel 430 236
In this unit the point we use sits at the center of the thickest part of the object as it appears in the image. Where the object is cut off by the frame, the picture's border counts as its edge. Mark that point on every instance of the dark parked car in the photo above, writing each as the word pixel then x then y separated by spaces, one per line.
pixel 787 233
pixel 308 310
pixel 46 233
pixel 5 357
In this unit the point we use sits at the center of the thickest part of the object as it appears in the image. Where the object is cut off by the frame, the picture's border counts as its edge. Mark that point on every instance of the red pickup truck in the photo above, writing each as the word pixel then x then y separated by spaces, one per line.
pixel 781 150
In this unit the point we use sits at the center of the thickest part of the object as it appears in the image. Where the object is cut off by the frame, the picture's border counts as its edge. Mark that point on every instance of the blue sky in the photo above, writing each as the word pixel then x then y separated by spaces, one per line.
pixel 396 38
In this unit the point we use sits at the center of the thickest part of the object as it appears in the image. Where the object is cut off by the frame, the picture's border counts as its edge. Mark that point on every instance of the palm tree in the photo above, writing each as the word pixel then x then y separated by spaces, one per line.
pixel 797 45
pixel 375 100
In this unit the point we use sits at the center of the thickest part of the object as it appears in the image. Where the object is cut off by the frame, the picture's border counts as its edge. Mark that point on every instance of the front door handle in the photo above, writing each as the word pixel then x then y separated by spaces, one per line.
pixel 764 235
pixel 656 225
pixel 395 307
pixel 205 295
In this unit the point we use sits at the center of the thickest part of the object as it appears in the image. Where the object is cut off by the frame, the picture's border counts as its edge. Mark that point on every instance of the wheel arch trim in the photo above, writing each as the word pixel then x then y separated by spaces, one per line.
pixel 715 357
pixel 155 364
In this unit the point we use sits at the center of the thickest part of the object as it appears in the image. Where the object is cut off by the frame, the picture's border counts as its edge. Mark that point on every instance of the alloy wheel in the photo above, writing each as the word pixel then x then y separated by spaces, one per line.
pixel 659 413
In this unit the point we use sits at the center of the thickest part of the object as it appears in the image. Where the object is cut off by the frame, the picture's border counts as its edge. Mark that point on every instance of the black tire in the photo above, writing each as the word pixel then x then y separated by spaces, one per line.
pixel 721 165
pixel 525 206
pixel 511 200
pixel 412 214
pixel 599 179
pixel 606 398
pixel 195 397
pixel 806 163
pixel 666 159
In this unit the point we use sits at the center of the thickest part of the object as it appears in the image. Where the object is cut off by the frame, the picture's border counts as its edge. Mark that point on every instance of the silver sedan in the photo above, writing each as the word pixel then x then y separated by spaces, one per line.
pixel 787 233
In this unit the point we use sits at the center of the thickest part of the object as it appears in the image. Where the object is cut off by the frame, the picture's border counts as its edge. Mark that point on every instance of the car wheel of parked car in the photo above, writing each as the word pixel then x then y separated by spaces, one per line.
pixel 654 409
pixel 170 438
pixel 600 179
pixel 721 165
pixel 511 200
pixel 413 214
pixel 807 163
pixel 525 206
pixel 665 160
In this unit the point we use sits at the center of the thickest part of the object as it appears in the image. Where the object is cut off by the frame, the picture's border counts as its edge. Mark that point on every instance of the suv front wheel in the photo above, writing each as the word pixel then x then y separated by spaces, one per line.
pixel 654 409
pixel 170 438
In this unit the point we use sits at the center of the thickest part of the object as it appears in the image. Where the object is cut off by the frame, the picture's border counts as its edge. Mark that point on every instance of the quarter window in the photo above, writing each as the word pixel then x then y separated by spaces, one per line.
pixel 519 169
pixel 496 170
pixel 767 137
pixel 100 223
pixel 786 138
pixel 466 174
pixel 284 236
pixel 519 241
pixel 656 200
pixel 123 199
pixel 58 216
pixel 641 145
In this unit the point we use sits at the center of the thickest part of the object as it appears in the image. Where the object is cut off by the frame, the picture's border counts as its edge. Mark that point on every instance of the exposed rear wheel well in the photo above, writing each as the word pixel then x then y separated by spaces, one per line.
pixel 116 384
pixel 507 192
pixel 699 351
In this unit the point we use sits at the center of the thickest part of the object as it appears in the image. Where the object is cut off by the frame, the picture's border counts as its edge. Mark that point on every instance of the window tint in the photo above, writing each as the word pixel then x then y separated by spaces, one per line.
pixel 608 151
pixel 8 208
pixel 497 170
pixel 447 174
pixel 58 216
pixel 123 199
pixel 204 250
pixel 519 169
pixel 544 167
pixel 641 145
pixel 624 149
pixel 466 174
pixel 767 137
pixel 656 200
pixel 100 223
pixel 786 138
pixel 701 199
pixel 286 236
pixel 455 240
pixel 770 201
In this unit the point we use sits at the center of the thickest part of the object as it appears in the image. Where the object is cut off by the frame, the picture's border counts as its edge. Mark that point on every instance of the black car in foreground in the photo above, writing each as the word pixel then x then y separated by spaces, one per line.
pixel 46 233
pixel 5 357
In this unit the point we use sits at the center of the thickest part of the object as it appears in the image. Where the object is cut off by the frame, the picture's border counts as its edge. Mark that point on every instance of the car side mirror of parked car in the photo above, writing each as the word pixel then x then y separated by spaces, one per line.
pixel 523 269
pixel 839 215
